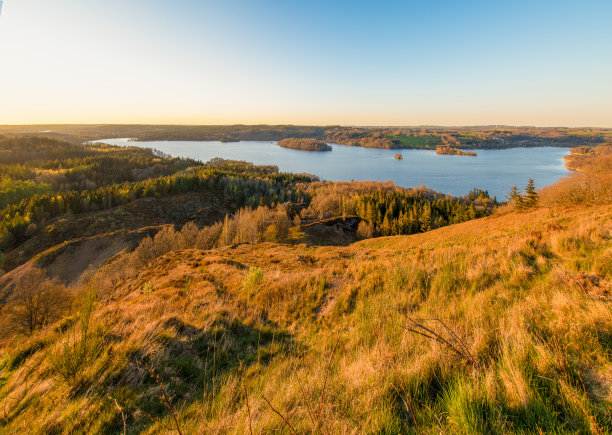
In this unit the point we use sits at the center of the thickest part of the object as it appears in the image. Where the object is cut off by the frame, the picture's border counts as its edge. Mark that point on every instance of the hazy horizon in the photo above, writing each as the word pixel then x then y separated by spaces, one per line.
pixel 449 126
pixel 306 63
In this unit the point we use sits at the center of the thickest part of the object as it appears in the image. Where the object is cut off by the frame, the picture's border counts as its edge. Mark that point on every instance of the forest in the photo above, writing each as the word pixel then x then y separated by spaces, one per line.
pixel 45 178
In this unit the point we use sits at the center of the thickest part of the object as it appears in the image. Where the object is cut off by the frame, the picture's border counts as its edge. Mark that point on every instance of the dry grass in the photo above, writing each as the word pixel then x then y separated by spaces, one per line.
pixel 591 184
pixel 277 338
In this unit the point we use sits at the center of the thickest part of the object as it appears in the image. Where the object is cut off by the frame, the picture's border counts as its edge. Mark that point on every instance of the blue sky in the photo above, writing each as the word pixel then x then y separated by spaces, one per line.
pixel 307 62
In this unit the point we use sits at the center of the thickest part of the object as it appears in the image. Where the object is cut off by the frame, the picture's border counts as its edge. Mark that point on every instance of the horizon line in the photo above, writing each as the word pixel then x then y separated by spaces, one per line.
pixel 312 125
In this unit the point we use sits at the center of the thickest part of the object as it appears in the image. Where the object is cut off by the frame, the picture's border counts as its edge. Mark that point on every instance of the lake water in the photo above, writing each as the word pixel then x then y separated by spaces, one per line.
pixel 493 170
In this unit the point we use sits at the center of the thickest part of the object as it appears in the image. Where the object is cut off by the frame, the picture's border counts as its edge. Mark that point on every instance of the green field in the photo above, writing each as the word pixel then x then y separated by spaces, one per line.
pixel 427 142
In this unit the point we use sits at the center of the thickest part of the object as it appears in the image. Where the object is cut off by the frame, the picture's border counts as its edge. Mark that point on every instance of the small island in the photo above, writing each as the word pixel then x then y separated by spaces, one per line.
pixel 452 151
pixel 304 144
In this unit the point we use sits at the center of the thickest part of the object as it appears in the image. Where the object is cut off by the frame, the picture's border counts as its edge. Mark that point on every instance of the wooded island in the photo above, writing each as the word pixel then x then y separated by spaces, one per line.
pixel 304 144
pixel 452 151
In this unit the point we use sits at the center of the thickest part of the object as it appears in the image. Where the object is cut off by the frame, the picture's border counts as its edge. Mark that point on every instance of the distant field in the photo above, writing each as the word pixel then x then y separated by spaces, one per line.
pixel 429 142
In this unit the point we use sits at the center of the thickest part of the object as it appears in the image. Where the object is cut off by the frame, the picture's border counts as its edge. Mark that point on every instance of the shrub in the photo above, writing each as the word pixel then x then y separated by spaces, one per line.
pixel 252 226
pixel 166 240
pixel 252 279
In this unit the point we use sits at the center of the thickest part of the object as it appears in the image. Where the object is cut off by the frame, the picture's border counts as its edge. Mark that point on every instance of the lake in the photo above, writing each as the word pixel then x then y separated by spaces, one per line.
pixel 493 170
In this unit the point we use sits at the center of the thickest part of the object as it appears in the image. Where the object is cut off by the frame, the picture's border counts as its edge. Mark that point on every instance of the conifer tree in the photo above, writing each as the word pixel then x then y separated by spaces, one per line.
pixel 426 220
pixel 531 196
pixel 516 198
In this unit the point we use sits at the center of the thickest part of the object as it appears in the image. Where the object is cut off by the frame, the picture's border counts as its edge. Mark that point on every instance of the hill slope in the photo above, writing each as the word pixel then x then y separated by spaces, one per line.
pixel 501 324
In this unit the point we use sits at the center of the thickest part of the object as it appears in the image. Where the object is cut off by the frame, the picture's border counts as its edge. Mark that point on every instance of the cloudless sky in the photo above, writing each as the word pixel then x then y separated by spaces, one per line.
pixel 535 62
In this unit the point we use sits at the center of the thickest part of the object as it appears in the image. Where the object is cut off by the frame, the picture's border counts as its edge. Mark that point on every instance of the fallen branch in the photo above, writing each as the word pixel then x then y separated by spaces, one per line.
pixel 454 343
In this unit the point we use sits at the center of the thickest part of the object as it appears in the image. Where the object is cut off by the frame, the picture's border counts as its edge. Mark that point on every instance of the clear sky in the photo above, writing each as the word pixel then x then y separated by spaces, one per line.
pixel 534 62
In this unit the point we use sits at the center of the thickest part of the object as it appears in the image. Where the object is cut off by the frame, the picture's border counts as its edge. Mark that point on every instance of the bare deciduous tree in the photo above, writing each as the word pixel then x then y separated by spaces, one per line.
pixel 36 302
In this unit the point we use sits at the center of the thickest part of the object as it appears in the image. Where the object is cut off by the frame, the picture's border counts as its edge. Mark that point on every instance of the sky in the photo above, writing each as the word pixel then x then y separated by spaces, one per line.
pixel 333 62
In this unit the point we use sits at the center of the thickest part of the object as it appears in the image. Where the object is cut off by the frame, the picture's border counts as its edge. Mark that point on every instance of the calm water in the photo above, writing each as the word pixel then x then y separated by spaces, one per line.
pixel 493 170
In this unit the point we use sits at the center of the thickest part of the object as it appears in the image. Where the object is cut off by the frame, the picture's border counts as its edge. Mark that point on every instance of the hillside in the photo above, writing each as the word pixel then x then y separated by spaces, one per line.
pixel 471 323
pixel 230 329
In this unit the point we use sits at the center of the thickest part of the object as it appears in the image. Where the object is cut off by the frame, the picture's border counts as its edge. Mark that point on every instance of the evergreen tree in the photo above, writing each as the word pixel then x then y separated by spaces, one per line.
pixel 531 196
pixel 516 198
pixel 426 219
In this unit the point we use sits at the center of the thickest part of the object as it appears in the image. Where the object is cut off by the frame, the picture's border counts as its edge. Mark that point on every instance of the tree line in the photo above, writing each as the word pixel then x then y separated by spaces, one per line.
pixel 397 213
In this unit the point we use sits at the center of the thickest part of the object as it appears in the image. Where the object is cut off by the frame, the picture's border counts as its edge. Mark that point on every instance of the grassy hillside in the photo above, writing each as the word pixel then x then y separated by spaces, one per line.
pixel 327 338
pixel 501 324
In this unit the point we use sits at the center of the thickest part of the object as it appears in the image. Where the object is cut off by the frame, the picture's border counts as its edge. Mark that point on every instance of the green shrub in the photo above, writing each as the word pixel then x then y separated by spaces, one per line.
pixel 252 279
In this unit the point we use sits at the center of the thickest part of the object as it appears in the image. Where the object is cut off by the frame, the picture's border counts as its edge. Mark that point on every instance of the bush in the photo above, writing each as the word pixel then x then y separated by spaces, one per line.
pixel 189 235
pixel 166 240
pixel 252 279
pixel 365 230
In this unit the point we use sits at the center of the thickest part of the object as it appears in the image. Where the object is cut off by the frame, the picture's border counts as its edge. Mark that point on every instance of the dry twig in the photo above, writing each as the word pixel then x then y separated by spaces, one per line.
pixel 120 410
pixel 279 414
pixel 454 343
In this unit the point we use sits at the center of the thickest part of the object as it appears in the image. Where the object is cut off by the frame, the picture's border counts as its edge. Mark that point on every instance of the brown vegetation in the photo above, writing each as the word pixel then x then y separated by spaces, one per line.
pixel 35 302
pixel 591 160
pixel 591 184
pixel 266 336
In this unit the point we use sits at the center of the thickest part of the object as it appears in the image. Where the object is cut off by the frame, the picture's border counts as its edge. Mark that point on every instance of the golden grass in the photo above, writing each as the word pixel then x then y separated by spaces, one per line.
pixel 318 338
